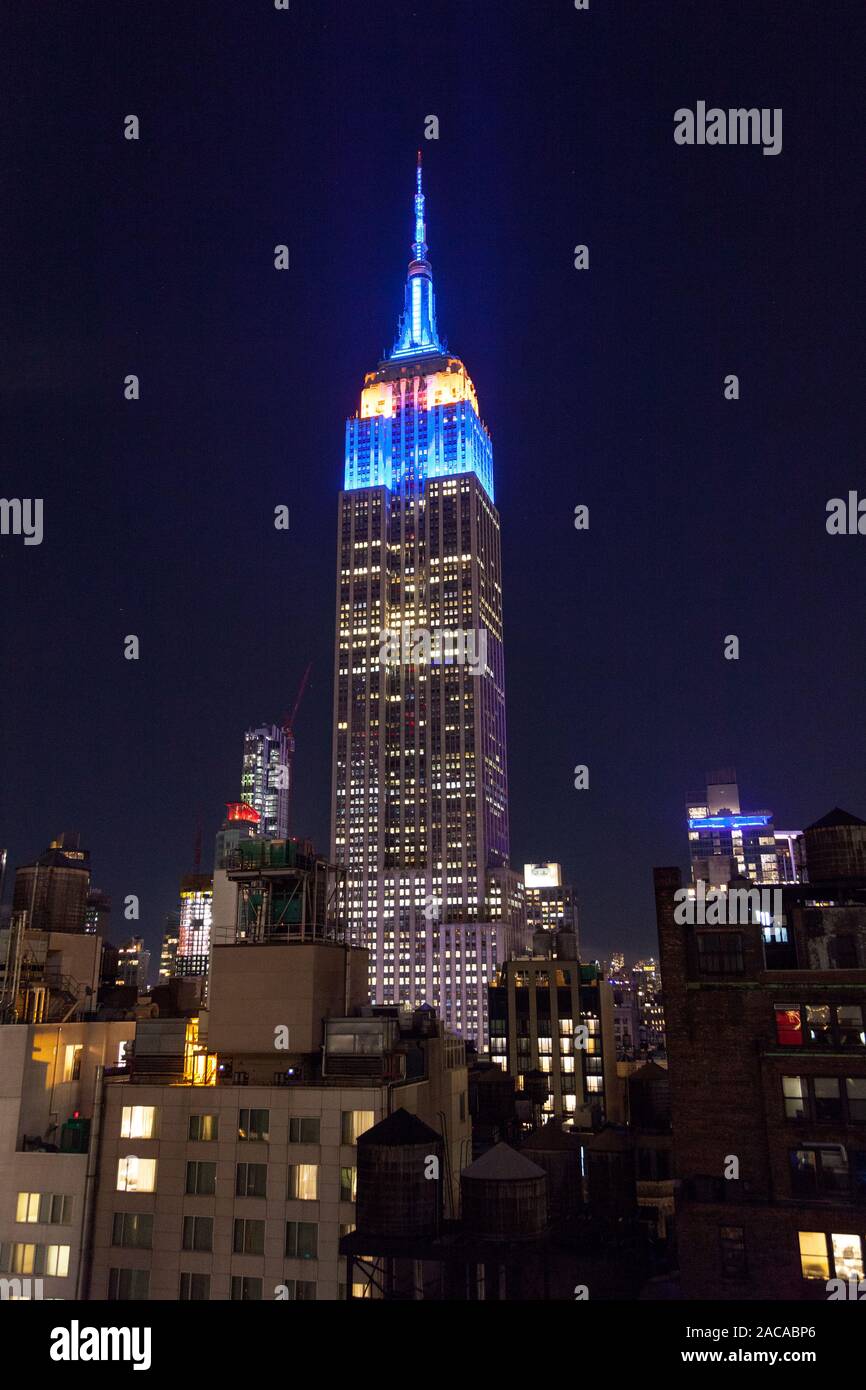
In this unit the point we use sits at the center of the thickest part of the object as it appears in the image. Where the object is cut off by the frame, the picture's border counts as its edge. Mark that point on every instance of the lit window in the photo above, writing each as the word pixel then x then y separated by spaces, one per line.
pixel 814 1263
pixel 303 1182
pixel 72 1062
pixel 44 1208
pixel 847 1256
pixel 795 1102
pixel 789 1027
pixel 138 1122
pixel 355 1122
pixel 136 1174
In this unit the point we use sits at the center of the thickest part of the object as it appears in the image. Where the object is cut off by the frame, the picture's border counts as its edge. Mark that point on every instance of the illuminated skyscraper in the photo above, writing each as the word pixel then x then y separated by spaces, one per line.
pixel 419 811
pixel 723 842
pixel 196 919
pixel 265 779
pixel 550 903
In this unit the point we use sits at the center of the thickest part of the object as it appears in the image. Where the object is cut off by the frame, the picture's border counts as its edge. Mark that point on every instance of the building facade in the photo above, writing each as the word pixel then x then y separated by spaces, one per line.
pixel 553 1014
pixel 766 1040
pixel 228 1165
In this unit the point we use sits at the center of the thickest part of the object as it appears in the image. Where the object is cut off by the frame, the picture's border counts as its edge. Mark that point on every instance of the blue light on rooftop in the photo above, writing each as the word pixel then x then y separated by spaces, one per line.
pixel 727 822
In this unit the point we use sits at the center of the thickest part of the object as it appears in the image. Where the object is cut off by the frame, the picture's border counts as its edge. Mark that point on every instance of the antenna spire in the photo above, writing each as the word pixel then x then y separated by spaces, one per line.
pixel 417 333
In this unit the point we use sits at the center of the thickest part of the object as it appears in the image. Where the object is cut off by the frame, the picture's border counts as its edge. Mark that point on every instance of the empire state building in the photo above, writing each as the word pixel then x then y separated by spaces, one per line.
pixel 419 809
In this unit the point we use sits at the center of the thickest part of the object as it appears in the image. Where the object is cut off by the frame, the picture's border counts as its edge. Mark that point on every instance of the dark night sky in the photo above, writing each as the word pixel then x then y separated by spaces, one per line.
pixel 707 516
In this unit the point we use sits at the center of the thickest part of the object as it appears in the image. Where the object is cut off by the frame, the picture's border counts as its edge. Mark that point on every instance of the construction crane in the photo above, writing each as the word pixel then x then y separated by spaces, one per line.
pixel 289 731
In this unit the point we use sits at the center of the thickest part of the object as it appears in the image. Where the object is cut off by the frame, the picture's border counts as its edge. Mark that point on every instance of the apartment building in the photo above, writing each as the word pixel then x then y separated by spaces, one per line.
pixel 228 1166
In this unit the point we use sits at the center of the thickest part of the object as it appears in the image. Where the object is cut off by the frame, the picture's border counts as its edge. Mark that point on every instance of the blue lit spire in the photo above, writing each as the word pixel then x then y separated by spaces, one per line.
pixel 416 331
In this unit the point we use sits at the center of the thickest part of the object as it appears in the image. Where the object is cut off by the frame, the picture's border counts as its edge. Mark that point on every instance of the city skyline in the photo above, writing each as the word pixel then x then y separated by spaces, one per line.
pixel 601 388
pixel 433 797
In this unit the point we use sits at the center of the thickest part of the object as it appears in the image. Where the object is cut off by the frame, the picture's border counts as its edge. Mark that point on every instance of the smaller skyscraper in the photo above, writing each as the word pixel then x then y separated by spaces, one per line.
pixel 97 914
pixel 196 917
pixel 265 779
pixel 551 1020
pixel 241 823
pixel 550 903
pixel 168 954
pixel 133 963
pixel 723 841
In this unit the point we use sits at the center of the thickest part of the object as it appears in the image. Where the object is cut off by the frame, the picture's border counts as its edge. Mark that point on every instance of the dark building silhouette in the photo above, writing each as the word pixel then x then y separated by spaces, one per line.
pixel 766 1030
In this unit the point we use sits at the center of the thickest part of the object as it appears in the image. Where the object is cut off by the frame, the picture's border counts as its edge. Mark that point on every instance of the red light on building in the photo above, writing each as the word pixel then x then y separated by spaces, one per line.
pixel 239 810
pixel 789 1027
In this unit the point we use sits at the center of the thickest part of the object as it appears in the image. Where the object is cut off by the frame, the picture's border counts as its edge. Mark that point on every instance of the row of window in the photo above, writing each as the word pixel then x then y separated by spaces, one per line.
pixel 136 1174
pixel 18 1257
pixel 837 1100
pixel 820 1025
pixel 823 1255
pixel 140 1122
pixel 134 1231
pixel 827 1170
pixel 44 1208
pixel 134 1284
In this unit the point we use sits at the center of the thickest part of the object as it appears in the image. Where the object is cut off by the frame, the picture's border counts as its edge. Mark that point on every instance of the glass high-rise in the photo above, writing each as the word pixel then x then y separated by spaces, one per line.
pixel 419 809
pixel 265 778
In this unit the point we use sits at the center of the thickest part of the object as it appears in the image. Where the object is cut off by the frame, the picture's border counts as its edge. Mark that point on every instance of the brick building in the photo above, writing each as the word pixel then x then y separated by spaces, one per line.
pixel 766 1033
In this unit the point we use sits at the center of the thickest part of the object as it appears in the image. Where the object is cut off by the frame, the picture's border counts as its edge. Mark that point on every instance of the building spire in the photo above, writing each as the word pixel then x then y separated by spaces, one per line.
pixel 419 245
pixel 416 332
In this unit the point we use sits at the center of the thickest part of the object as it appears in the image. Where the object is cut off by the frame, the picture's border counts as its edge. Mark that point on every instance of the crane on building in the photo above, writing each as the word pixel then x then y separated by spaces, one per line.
pixel 289 731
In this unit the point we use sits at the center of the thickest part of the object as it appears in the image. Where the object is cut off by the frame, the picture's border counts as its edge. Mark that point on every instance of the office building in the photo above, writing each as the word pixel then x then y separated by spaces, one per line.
pixel 241 823
pixel 133 963
pixel 97 914
pixel 265 779
pixel 550 904
pixel 723 841
pixel 551 1028
pixel 194 929
pixel 168 951
pixel 419 810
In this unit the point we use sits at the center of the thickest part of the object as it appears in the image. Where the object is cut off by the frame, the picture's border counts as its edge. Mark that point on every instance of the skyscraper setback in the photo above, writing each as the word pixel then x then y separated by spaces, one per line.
pixel 419 811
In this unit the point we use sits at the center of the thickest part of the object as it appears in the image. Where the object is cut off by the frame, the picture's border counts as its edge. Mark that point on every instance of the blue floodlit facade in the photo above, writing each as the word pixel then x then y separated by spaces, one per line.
pixel 419 412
